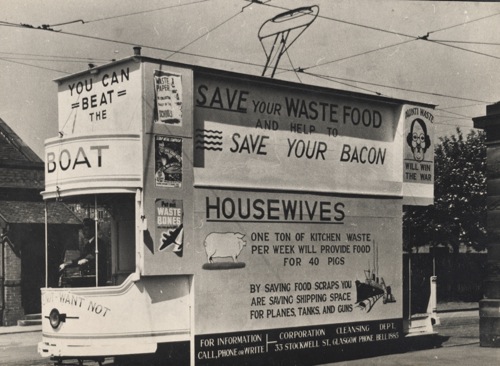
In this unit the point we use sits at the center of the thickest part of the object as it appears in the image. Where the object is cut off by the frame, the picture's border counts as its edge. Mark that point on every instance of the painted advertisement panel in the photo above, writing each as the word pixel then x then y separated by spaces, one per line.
pixel 256 135
pixel 92 162
pixel 276 261
pixel 104 100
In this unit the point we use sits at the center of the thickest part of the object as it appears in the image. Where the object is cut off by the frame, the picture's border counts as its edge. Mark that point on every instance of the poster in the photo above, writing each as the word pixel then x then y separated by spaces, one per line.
pixel 168 95
pixel 419 146
pixel 168 161
pixel 170 230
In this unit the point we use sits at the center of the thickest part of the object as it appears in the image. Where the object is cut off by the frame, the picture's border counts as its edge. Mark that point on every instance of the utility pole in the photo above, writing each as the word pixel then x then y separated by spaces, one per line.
pixel 489 314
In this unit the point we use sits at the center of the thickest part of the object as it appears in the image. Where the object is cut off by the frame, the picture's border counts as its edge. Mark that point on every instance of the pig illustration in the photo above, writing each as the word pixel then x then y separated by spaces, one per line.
pixel 221 245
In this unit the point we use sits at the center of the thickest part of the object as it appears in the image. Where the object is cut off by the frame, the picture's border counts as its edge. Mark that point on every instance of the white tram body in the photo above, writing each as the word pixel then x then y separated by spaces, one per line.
pixel 241 218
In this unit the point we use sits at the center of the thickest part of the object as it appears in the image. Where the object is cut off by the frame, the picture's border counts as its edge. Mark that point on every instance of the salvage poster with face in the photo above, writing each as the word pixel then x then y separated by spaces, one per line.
pixel 168 161
pixel 418 146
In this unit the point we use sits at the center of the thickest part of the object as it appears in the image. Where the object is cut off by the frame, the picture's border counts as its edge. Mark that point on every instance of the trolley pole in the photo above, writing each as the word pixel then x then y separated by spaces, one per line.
pixel 96 236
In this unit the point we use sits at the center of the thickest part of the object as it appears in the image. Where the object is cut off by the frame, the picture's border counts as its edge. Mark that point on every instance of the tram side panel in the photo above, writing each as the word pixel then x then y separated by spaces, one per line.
pixel 294 273
pixel 274 273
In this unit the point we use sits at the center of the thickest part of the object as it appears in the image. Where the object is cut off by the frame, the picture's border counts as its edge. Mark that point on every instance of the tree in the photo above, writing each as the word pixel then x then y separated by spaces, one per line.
pixel 458 215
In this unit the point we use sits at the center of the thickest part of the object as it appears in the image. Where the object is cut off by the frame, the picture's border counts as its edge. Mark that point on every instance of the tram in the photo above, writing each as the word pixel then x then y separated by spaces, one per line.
pixel 226 217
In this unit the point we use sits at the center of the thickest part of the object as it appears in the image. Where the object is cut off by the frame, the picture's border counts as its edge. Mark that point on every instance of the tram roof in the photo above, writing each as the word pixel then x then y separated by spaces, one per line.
pixel 261 79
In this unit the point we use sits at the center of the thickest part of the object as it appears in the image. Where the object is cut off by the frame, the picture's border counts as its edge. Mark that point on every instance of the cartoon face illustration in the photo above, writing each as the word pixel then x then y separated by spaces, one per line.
pixel 161 147
pixel 418 139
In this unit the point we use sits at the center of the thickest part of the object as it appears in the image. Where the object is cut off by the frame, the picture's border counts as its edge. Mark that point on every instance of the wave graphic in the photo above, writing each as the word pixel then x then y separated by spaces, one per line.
pixel 204 138
pixel 209 148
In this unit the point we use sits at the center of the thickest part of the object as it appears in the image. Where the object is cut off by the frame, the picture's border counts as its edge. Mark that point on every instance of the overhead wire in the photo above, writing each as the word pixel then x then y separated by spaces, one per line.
pixel 303 69
pixel 36 66
pixel 8 24
pixel 90 59
pixel 448 118
pixel 133 44
pixel 444 122
pixel 360 54
pixel 455 114
pixel 400 43
pixel 337 20
pixel 464 49
pixel 48 59
pixel 293 67
pixel 321 16
pixel 414 38
pixel 326 77
pixel 335 79
pixel 50 26
pixel 207 32
pixel 467 42
pixel 139 12
pixel 461 24
pixel 330 78
pixel 460 106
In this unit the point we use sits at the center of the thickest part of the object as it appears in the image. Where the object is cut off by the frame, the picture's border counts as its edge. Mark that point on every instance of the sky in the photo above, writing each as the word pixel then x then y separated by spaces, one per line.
pixel 445 53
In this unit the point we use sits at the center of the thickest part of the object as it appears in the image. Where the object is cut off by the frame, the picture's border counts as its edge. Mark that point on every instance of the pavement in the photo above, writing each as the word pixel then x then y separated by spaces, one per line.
pixel 456 342
pixel 20 329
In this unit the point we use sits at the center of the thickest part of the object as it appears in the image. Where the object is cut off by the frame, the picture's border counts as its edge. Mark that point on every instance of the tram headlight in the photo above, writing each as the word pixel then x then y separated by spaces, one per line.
pixel 55 318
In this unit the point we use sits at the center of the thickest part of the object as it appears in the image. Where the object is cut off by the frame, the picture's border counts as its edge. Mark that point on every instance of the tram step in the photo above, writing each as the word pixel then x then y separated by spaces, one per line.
pixel 24 322
pixel 30 319
pixel 33 317
pixel 420 324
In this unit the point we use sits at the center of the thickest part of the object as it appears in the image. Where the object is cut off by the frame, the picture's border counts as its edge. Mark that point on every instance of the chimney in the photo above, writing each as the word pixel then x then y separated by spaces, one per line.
pixel 137 51
pixel 493 109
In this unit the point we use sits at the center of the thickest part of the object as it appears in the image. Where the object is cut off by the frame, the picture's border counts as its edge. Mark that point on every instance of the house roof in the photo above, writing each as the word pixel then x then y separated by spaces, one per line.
pixel 20 167
pixel 22 212
pixel 12 148
pixel 19 177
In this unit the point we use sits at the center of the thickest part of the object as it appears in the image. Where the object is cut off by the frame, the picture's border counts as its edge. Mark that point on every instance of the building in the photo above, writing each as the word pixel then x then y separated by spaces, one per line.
pixel 489 322
pixel 22 229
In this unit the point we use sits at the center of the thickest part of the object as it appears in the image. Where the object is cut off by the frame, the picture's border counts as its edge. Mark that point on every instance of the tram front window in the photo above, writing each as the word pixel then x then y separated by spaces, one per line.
pixel 90 240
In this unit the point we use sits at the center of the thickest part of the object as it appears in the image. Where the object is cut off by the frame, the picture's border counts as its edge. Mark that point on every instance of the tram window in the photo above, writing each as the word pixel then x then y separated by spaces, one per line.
pixel 72 259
